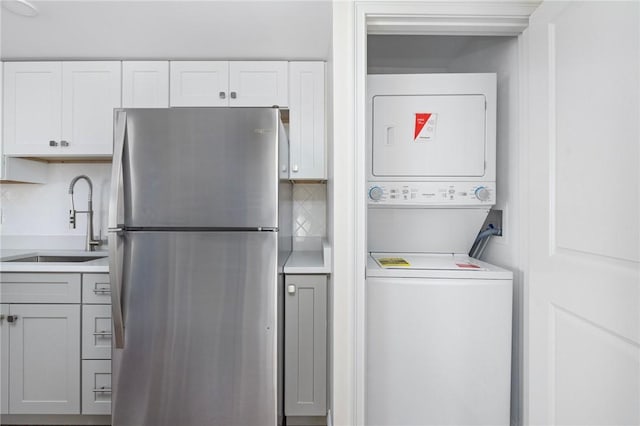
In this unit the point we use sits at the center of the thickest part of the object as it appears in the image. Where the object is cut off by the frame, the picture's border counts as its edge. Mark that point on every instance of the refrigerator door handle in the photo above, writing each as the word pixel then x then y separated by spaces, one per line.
pixel 115 276
pixel 116 199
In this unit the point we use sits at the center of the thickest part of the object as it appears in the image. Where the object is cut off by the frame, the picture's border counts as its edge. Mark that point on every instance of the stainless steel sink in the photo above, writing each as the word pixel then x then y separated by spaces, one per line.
pixel 48 259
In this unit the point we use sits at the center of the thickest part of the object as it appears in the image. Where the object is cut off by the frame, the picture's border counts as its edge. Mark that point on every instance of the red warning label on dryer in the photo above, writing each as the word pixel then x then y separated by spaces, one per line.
pixel 425 126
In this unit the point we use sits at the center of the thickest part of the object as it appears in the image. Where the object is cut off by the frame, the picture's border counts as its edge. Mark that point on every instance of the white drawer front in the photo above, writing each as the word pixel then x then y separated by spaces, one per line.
pixel 96 288
pixel 18 287
pixel 96 332
pixel 96 387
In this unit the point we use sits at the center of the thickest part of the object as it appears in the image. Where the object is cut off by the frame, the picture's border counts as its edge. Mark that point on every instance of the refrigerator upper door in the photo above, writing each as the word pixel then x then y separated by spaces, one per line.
pixel 201 167
pixel 201 320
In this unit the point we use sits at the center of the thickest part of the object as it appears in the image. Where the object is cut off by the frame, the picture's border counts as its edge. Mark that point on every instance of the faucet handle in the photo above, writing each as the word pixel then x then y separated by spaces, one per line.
pixel 72 218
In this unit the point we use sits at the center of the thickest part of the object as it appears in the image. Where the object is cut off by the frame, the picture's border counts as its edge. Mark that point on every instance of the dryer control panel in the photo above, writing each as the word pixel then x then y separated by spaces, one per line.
pixel 432 193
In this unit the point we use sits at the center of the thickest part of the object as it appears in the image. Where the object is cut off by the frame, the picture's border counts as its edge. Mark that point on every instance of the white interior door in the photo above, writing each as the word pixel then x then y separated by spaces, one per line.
pixel 584 292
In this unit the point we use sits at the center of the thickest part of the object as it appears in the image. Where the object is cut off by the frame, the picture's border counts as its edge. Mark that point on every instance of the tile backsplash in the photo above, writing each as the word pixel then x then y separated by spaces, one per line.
pixel 309 210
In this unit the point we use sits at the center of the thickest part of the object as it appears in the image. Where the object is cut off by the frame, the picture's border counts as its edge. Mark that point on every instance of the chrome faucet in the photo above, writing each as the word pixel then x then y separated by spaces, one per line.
pixel 91 243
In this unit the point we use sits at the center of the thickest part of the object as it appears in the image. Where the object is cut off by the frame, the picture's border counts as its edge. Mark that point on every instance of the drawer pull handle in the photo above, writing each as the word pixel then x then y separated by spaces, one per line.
pixel 102 333
pixel 103 389
pixel 12 318
pixel 101 291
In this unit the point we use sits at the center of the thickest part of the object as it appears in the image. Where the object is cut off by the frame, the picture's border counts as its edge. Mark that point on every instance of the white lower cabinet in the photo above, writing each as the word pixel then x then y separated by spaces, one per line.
pixel 96 332
pixel 44 349
pixel 55 352
pixel 305 343
pixel 4 360
pixel 96 344
pixel 96 386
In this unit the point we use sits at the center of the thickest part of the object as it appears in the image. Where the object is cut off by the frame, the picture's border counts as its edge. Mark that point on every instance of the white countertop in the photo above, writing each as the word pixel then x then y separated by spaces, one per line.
pixel 91 266
pixel 299 262
pixel 310 261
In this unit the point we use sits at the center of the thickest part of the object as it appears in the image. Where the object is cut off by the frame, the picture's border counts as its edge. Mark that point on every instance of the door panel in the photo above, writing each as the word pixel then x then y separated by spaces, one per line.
pixel 91 90
pixel 45 357
pixel 32 99
pixel 584 285
pixel 199 83
pixel 201 167
pixel 200 330
pixel 258 83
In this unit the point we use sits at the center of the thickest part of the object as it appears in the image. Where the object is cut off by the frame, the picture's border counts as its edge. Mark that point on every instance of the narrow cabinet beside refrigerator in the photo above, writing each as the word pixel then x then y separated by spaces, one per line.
pixel 307 144
pixel 305 347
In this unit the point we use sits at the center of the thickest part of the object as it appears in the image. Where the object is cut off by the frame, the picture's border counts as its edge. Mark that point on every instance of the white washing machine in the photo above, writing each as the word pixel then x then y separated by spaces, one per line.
pixel 437 324
pixel 438 341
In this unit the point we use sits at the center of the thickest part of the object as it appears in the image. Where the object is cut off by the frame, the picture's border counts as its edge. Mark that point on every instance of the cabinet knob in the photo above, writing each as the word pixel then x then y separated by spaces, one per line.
pixel 295 168
pixel 291 289
pixel 64 143
pixel 53 143
pixel 12 318
pixel 1 318
pixel 222 95
pixel 233 95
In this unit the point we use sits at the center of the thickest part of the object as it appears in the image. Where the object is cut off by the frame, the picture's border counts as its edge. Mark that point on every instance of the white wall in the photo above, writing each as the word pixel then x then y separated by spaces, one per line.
pixel 341 192
pixel 37 215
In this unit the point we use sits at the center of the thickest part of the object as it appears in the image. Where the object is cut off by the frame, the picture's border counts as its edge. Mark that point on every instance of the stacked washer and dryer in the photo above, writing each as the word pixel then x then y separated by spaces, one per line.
pixel 437 322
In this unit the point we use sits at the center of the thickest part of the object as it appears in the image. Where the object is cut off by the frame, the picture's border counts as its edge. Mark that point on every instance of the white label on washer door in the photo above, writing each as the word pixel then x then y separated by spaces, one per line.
pixel 425 126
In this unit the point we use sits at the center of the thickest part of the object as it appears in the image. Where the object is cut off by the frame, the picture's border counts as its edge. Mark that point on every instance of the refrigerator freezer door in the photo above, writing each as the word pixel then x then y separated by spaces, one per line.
pixel 201 324
pixel 201 167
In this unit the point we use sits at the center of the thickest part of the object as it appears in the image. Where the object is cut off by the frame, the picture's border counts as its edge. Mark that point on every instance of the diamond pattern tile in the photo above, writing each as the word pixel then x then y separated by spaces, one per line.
pixel 309 210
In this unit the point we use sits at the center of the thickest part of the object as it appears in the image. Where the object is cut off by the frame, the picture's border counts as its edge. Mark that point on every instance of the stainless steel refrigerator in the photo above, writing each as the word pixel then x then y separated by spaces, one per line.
pixel 200 228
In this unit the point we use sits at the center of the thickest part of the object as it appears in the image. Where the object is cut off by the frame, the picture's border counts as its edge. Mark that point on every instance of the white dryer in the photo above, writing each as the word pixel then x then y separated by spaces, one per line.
pixel 438 341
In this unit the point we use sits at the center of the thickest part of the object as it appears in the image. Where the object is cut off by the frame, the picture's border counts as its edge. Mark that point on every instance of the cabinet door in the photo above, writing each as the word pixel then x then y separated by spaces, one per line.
pixel 44 354
pixel 4 359
pixel 96 387
pixel 90 92
pixel 96 332
pixel 145 84
pixel 32 107
pixel 306 121
pixel 199 83
pixel 305 345
pixel 258 84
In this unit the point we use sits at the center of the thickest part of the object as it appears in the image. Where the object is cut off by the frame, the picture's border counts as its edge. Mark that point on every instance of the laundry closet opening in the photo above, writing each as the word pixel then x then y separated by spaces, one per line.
pixel 436 54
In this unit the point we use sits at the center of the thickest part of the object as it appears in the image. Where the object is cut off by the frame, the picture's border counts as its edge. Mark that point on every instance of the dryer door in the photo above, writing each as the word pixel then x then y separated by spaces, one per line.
pixel 429 136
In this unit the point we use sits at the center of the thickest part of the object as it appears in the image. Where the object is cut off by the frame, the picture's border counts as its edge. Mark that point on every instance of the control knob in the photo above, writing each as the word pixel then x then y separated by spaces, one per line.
pixel 482 193
pixel 375 193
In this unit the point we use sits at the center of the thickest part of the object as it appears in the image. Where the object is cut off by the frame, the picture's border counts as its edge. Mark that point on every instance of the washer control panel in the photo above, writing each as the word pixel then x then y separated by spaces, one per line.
pixel 432 193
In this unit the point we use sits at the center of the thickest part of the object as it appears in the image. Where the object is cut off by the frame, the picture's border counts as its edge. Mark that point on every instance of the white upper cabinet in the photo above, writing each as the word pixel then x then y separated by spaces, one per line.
pixel 55 109
pixel 258 84
pixel 199 83
pixel 32 107
pixel 90 92
pixel 223 83
pixel 145 84
pixel 307 121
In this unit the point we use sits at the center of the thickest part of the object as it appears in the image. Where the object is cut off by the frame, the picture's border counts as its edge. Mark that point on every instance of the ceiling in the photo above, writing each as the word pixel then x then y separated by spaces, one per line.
pixel 170 29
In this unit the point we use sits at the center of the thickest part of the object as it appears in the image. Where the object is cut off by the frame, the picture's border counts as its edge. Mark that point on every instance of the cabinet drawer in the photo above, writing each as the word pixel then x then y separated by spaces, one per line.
pixel 96 387
pixel 96 332
pixel 39 288
pixel 96 288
